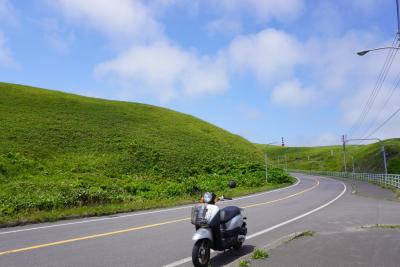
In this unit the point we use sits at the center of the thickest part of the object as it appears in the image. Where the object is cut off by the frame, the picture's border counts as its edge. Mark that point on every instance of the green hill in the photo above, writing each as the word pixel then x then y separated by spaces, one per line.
pixel 366 158
pixel 63 155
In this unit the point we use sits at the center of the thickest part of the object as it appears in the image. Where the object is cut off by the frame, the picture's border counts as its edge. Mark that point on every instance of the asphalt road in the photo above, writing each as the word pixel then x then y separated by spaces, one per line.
pixel 161 237
pixel 345 233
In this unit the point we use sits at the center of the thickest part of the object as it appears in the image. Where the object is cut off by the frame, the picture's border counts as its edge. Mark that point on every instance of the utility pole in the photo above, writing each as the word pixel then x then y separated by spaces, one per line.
pixel 266 167
pixel 352 163
pixel 285 162
pixel 344 152
pixel 398 17
pixel 384 158
pixel 365 139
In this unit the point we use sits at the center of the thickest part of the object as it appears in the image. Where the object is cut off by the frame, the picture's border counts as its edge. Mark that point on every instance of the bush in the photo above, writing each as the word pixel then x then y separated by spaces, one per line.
pixel 40 191
pixel 259 254
pixel 278 176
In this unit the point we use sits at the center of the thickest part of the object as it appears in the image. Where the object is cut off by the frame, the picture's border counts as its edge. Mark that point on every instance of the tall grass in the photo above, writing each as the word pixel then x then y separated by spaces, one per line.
pixel 64 155
pixel 367 158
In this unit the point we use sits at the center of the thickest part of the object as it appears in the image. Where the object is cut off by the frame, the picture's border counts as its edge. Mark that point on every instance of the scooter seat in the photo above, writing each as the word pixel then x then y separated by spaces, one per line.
pixel 228 213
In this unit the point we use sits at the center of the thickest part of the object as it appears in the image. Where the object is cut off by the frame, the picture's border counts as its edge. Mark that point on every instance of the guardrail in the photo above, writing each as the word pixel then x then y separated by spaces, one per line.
pixel 384 179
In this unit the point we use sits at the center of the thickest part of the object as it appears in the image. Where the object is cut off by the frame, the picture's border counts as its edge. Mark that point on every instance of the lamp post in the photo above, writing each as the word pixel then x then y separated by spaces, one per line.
pixel 362 53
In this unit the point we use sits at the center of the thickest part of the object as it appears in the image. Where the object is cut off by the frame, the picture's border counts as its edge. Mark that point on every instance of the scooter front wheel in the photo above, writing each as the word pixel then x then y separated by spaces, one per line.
pixel 201 253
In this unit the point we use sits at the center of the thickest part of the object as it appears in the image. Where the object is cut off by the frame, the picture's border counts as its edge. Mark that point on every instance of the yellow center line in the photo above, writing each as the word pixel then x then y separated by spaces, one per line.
pixel 140 227
pixel 91 236
pixel 280 199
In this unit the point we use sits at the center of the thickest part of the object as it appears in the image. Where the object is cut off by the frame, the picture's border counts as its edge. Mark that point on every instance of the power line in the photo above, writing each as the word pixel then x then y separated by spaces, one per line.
pixel 379 82
pixel 381 78
pixel 386 101
pixel 388 98
pixel 382 124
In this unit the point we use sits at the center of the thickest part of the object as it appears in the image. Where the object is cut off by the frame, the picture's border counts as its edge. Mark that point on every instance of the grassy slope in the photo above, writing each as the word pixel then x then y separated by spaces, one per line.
pixel 64 155
pixel 367 158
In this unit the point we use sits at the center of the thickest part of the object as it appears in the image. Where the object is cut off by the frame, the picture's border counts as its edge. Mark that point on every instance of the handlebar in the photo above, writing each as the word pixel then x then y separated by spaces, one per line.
pixel 222 198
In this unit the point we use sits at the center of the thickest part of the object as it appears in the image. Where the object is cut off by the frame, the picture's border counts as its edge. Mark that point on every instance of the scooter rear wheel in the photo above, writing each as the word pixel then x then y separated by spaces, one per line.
pixel 238 244
pixel 201 253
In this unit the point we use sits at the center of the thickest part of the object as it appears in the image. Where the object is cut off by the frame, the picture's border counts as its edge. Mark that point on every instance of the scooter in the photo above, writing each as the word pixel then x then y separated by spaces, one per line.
pixel 217 229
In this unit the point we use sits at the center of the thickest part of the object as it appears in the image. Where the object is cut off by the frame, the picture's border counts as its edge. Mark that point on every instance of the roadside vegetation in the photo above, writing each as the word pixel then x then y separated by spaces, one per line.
pixel 386 226
pixel 66 156
pixel 259 254
pixel 367 158
pixel 244 263
pixel 306 233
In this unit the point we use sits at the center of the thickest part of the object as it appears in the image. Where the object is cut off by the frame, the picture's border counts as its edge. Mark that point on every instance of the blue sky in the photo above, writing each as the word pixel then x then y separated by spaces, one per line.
pixel 264 69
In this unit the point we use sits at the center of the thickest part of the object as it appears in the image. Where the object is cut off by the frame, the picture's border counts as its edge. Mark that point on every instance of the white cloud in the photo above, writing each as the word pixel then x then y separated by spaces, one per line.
pixel 335 61
pixel 261 9
pixel 292 94
pixel 8 13
pixel 230 15
pixel 6 58
pixel 166 71
pixel 368 7
pixel 59 38
pixel 151 65
pixel 344 78
pixel 249 112
pixel 322 139
pixel 205 76
pixel 224 25
pixel 386 103
pixel 147 63
pixel 270 54
pixel 120 20
pixel 325 139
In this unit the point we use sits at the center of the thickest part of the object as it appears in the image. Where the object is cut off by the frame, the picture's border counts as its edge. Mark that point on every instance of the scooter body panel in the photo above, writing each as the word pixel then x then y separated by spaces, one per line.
pixel 203 233
pixel 235 222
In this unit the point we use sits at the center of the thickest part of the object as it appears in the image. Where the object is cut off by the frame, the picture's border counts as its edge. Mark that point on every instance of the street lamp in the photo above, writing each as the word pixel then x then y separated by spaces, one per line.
pixel 361 53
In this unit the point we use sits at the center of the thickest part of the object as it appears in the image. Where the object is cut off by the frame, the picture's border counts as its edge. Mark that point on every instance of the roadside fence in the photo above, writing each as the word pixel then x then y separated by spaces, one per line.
pixel 383 179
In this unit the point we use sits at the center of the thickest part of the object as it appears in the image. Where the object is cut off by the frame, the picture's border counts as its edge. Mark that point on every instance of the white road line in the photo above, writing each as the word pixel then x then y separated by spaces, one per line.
pixel 298 217
pixel 185 260
pixel 180 262
pixel 138 214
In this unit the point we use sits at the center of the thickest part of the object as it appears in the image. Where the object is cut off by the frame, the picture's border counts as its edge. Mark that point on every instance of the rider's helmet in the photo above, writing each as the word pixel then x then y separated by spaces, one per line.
pixel 209 198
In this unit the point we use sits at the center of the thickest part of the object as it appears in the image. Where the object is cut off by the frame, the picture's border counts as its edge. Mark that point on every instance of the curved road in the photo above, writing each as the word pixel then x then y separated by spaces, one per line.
pixel 159 237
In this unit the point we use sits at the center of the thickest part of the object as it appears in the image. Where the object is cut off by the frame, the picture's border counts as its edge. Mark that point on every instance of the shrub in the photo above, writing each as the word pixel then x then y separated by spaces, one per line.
pixel 259 254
